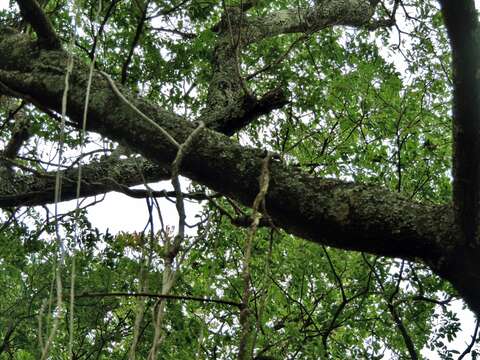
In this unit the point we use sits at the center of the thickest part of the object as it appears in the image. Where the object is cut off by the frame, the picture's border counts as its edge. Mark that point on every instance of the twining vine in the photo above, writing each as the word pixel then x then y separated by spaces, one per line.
pixel 58 190
pixel 79 181
pixel 246 319
pixel 172 245
pixel 171 248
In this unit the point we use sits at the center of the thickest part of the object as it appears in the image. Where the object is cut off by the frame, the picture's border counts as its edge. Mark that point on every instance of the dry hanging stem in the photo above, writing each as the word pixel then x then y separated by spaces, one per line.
pixel 58 190
pixel 172 249
pixel 169 273
pixel 246 339
pixel 77 207
pixel 145 263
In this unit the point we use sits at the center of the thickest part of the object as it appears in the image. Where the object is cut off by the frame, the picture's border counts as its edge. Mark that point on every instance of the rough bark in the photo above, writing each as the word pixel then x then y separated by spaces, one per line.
pixel 229 95
pixel 461 20
pixel 98 177
pixel 340 214
pixel 33 14
pixel 301 20
pixel 344 215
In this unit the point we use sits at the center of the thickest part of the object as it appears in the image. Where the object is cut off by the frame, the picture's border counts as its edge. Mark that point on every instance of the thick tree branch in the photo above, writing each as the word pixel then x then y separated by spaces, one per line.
pixel 461 20
pixel 354 13
pixel 20 134
pixel 229 97
pixel 333 212
pixel 98 177
pixel 34 15
pixel 235 116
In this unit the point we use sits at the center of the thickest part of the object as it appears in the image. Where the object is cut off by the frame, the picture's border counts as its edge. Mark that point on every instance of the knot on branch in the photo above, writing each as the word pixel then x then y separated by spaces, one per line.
pixel 230 120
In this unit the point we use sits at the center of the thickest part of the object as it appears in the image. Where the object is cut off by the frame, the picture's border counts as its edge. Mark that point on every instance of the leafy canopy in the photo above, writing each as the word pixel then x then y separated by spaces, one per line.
pixel 370 106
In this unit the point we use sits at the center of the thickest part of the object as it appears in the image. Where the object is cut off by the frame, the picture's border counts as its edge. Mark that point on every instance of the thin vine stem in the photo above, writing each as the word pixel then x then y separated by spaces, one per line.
pixel 78 191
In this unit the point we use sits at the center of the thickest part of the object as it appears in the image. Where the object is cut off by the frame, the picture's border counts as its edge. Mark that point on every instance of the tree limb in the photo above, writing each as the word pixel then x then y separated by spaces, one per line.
pixel 230 106
pixel 20 134
pixel 355 13
pixel 98 177
pixel 34 15
pixel 136 39
pixel 229 120
pixel 337 213
pixel 461 20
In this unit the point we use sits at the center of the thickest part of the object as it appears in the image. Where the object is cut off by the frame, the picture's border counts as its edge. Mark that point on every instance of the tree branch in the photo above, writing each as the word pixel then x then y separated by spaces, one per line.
pixel 461 20
pixel 228 95
pixel 356 13
pixel 34 15
pixel 469 348
pixel 136 39
pixel 335 213
pixel 229 120
pixel 160 296
pixel 20 134
pixel 98 177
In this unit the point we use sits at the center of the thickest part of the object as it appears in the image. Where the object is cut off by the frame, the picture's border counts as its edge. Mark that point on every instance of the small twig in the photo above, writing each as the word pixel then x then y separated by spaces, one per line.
pixel 183 34
pixel 472 342
pixel 161 296
pixel 280 58
pixel 165 12
pixel 171 250
pixel 134 108
pixel 176 184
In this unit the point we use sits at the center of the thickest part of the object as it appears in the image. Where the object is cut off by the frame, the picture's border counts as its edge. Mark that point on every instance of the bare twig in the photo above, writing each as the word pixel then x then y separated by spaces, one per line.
pixel 472 342
pixel 134 108
pixel 160 296
pixel 136 39
pixel 246 338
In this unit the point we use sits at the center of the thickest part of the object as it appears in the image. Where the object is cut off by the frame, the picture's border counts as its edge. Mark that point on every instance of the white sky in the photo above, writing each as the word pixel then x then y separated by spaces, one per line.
pixel 119 212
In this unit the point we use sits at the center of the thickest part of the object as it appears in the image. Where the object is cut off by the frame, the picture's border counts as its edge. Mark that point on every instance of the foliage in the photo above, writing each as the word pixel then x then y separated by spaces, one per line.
pixel 363 106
